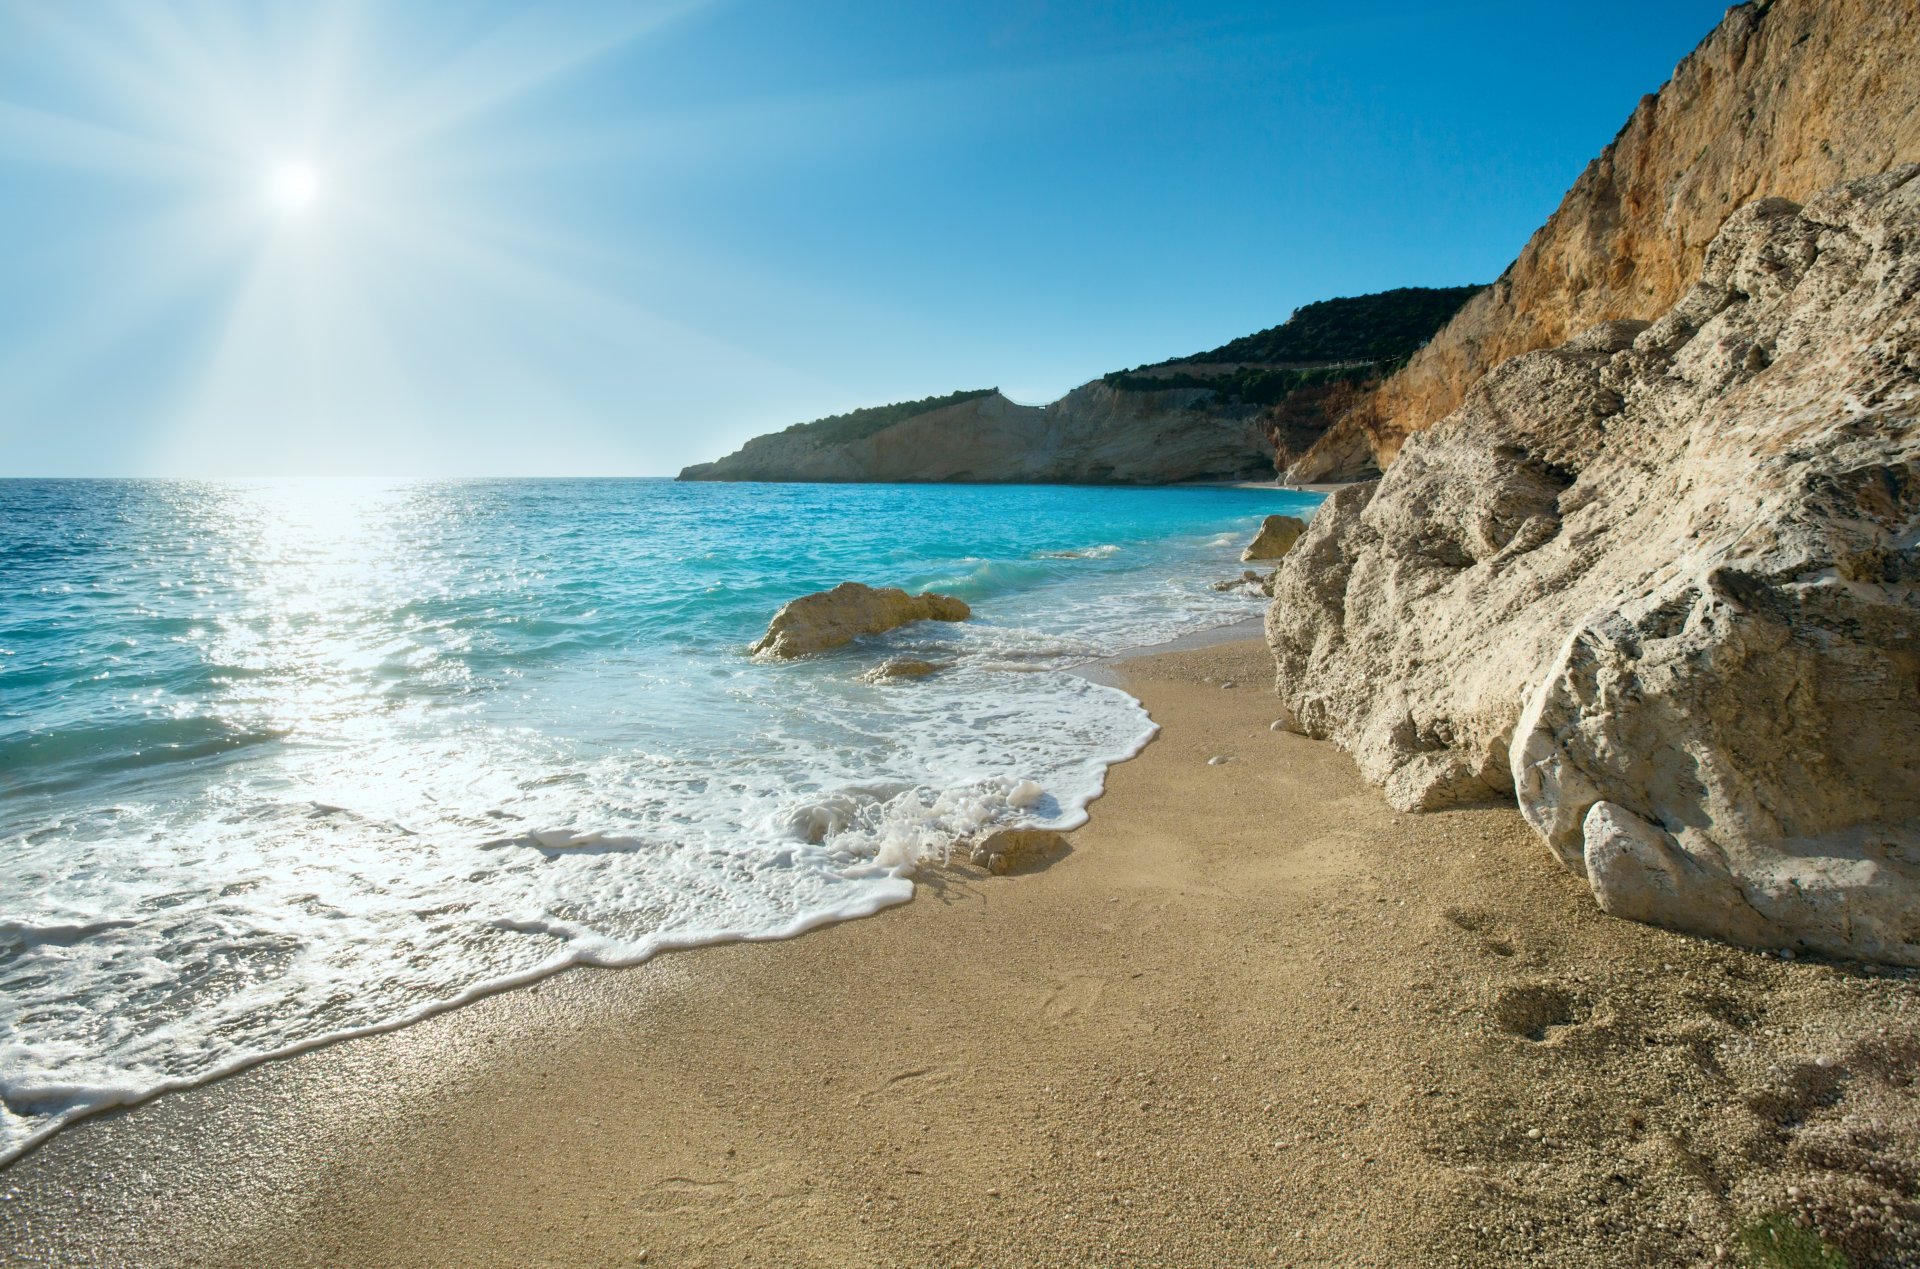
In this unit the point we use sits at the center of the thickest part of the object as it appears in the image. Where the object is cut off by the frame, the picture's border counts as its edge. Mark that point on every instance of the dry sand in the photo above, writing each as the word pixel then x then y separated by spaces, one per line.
pixel 1253 1018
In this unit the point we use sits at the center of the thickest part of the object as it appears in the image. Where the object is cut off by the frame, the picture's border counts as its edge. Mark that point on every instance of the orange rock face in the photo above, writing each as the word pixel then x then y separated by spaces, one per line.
pixel 1781 99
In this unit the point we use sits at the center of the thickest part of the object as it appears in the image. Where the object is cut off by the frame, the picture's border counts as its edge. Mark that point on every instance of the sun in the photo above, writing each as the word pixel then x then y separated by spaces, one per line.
pixel 293 185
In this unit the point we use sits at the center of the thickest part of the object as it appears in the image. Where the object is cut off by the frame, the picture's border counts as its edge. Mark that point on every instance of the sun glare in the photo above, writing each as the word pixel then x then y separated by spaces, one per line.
pixel 293 186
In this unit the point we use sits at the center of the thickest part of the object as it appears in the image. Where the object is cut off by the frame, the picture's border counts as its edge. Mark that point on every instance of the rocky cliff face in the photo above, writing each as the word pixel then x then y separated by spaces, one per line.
pixel 1782 99
pixel 1662 584
pixel 1093 435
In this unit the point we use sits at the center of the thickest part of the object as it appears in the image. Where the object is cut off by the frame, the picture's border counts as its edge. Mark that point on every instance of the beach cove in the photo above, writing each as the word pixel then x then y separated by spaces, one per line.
pixel 1254 1017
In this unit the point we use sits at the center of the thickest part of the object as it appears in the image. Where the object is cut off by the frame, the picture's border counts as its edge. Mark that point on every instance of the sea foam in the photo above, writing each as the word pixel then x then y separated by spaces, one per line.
pixel 361 753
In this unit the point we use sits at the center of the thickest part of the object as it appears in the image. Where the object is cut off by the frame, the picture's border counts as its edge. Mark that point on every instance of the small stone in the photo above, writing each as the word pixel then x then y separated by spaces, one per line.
pixel 1276 725
pixel 1011 848
pixel 901 668
pixel 1229 683
pixel 1218 760
pixel 1533 1134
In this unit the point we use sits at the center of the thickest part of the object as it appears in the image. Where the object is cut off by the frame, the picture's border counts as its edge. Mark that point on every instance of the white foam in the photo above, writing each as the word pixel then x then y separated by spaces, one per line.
pixel 429 854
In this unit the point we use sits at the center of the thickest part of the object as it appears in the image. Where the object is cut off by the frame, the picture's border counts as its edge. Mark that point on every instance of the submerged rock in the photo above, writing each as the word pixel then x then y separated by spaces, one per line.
pixel 901 668
pixel 1276 537
pixel 830 618
pixel 1662 586
pixel 1249 581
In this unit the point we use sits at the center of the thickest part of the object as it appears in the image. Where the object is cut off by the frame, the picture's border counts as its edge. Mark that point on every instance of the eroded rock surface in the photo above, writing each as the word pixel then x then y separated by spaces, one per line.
pixel 1276 537
pixel 1659 584
pixel 829 618
pixel 1785 98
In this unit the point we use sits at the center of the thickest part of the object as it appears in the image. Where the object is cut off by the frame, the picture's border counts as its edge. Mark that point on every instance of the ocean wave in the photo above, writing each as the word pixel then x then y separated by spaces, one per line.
pixel 1104 552
pixel 530 742
pixel 70 756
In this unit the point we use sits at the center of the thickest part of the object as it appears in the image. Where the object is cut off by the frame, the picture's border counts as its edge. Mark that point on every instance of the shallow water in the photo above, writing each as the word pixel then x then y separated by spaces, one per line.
pixel 282 762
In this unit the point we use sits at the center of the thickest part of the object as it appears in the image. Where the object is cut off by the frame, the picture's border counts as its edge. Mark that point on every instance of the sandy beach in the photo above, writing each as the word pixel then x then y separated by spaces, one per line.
pixel 1254 1017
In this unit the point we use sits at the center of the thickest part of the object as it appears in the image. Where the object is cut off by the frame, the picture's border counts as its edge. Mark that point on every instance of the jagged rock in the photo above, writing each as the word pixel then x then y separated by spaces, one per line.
pixel 1276 537
pixel 1662 585
pixel 829 618
pixel 1012 848
pixel 1786 97
pixel 901 668
pixel 1248 580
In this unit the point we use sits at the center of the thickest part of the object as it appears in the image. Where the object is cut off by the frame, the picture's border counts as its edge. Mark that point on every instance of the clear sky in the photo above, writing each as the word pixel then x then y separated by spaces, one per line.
pixel 470 237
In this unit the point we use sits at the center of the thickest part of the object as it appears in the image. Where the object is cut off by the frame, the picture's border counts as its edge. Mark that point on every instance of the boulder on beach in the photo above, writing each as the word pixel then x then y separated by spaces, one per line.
pixel 829 618
pixel 1276 537
pixel 1012 848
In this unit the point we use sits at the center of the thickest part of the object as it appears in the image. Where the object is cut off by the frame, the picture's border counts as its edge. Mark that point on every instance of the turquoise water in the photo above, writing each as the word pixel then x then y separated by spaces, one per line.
pixel 282 762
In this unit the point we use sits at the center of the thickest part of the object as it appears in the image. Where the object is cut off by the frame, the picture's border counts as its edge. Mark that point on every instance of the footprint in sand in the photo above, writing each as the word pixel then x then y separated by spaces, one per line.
pixel 913 1081
pixel 1073 996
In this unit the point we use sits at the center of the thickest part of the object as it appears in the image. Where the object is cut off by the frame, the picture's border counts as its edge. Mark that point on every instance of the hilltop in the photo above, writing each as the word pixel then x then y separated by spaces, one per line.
pixel 1234 412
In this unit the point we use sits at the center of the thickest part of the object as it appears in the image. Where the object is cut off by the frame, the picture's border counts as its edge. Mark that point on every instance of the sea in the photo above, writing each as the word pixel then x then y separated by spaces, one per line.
pixel 283 762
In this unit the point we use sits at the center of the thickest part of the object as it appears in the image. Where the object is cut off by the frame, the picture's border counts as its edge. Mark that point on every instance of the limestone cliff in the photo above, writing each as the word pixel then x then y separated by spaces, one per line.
pixel 1662 585
pixel 1229 413
pixel 1096 434
pixel 1783 98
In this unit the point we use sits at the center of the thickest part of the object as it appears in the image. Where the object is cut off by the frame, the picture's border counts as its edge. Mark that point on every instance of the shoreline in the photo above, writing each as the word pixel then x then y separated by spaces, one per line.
pixel 1253 1016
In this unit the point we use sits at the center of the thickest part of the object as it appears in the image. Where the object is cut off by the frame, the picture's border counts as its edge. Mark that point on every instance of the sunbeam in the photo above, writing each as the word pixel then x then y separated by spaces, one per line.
pixel 320 179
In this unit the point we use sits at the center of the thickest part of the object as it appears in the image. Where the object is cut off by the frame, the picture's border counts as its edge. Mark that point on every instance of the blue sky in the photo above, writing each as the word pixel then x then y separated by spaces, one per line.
pixel 599 238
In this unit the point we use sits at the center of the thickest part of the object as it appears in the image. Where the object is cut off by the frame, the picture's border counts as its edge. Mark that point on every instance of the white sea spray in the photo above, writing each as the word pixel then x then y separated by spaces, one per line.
pixel 285 763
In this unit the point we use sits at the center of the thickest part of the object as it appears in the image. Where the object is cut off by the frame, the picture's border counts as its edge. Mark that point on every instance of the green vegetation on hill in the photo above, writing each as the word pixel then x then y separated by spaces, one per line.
pixel 837 429
pixel 1353 339
pixel 1256 385
pixel 1379 327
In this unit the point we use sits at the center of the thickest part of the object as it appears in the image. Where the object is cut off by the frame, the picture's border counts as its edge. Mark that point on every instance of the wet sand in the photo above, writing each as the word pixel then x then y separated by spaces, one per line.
pixel 1254 1017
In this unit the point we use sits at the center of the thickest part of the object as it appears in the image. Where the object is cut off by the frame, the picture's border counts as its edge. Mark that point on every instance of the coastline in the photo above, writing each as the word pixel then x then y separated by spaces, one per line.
pixel 1255 1016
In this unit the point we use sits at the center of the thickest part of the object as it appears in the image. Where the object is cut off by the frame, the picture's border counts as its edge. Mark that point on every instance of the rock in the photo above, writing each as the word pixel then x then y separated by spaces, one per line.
pixel 901 668
pixel 1250 582
pixel 1276 537
pixel 1785 98
pixel 1012 848
pixel 1659 585
pixel 829 618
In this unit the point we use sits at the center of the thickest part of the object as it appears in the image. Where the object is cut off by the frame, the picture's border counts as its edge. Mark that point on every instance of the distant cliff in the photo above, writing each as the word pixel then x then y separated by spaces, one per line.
pixel 1094 435
pixel 1784 98
pixel 1235 412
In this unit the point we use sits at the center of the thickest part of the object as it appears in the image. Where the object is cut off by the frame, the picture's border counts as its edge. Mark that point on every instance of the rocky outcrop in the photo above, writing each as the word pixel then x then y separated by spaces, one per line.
pixel 1783 98
pixel 1276 537
pixel 1096 434
pixel 1662 585
pixel 829 618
